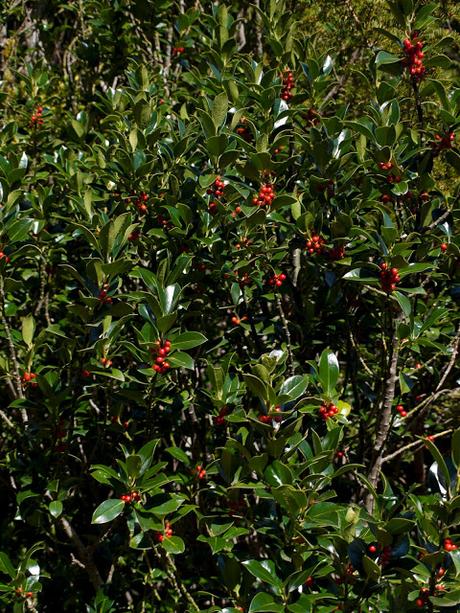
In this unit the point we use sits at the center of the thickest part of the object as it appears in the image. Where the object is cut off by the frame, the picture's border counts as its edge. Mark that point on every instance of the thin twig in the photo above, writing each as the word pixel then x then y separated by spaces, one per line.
pixel 452 360
pixel 417 443
pixel 341 81
pixel 360 358
pixel 171 571
pixel 435 223
pixel 5 418
pixel 85 554
pixel 12 350
pixel 287 333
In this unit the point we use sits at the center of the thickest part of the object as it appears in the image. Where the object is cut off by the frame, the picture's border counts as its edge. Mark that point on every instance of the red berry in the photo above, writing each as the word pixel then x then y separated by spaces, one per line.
pixel 419 602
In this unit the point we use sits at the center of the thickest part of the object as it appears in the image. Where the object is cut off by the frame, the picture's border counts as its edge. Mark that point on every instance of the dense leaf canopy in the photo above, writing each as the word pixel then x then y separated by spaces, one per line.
pixel 229 287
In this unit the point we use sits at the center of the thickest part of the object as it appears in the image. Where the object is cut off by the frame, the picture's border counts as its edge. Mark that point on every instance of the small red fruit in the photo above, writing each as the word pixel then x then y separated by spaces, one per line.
pixel 265 419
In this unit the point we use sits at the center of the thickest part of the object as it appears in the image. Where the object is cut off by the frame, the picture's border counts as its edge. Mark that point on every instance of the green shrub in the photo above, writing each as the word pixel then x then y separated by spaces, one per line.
pixel 229 285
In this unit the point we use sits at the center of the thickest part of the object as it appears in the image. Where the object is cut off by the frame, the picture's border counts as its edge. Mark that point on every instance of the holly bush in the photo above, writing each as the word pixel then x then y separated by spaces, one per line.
pixel 229 288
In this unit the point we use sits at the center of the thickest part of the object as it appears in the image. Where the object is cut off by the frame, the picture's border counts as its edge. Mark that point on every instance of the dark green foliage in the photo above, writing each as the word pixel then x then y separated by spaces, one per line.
pixel 229 308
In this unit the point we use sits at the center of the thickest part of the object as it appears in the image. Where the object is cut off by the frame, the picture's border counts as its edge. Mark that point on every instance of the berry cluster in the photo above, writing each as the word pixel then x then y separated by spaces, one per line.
pixel 265 196
pixel 413 59
pixel 386 198
pixel 21 594
pixel 312 116
pixel 103 295
pixel 328 410
pixel 389 277
pixel 177 50
pixel 200 472
pixel 444 141
pixel 237 320
pixel 245 279
pixel 161 350
pixel 236 212
pixel 267 419
pixel 423 596
pixel 140 202
pixel 28 379
pixel 4 257
pixel 394 179
pixel 288 84
pixel 449 545
pixel 386 165
pixel 134 236
pixel 384 555
pixel 243 242
pixel 133 497
pixel 219 420
pixel 336 253
pixel 276 280
pixel 217 188
pixel 36 119
pixel 164 222
pixel 243 131
pixel 167 533
pixel 443 247
pixel 217 192
pixel 106 363
pixel 315 245
pixel 401 410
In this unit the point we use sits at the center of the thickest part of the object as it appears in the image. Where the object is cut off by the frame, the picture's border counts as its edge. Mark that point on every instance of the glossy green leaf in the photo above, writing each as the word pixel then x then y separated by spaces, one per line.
pixel 107 511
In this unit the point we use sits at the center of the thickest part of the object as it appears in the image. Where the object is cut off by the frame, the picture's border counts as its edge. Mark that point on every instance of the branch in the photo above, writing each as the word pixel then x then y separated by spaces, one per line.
pixel 452 360
pixel 13 356
pixel 384 423
pixel 287 334
pixel 5 417
pixel 437 221
pixel 259 41
pixel 296 263
pixel 174 578
pixel 84 554
pixel 360 358
pixel 418 443
pixel 338 86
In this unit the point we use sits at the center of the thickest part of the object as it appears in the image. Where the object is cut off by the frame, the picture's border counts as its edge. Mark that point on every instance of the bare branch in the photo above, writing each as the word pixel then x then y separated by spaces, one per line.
pixel 383 424
pixel 419 444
